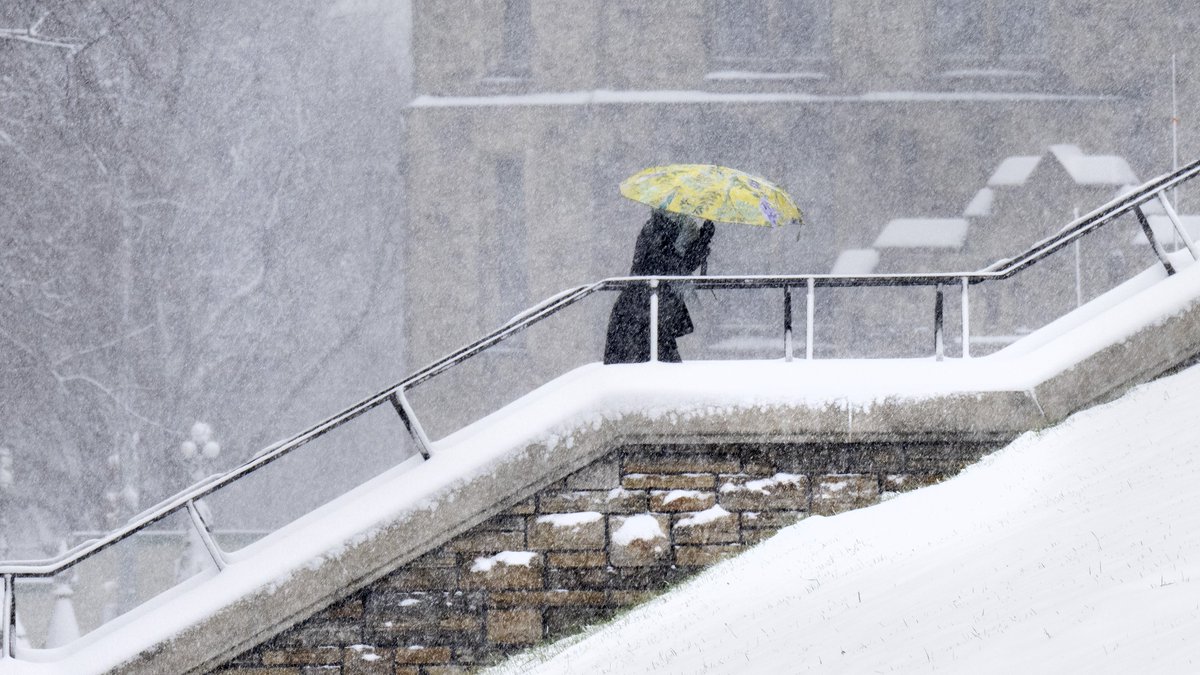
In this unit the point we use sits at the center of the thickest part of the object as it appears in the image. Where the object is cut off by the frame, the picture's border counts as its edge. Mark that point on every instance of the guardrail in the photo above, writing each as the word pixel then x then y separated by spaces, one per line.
pixel 395 395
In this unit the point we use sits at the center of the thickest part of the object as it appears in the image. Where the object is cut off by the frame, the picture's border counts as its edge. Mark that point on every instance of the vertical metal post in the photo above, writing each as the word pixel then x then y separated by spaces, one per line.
pixel 210 545
pixel 1178 225
pixel 405 411
pixel 1154 244
pixel 654 321
pixel 808 325
pixel 787 324
pixel 939 346
pixel 966 319
pixel 8 618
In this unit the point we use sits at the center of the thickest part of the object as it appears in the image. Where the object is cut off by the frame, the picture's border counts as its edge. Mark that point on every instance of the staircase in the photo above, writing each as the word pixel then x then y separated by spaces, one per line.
pixel 587 431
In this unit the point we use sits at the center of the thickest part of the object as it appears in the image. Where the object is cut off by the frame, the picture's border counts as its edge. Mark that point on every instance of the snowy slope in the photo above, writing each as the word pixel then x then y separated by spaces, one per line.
pixel 1073 550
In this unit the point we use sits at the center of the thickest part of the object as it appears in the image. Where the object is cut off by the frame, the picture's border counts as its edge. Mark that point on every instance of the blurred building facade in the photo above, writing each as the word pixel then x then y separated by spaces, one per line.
pixel 528 113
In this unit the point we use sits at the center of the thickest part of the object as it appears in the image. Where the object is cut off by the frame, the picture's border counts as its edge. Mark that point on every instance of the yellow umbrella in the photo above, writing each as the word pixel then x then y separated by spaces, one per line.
pixel 713 193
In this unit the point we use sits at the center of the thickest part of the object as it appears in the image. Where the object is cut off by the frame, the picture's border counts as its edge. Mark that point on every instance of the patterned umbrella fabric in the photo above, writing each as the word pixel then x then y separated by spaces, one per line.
pixel 714 193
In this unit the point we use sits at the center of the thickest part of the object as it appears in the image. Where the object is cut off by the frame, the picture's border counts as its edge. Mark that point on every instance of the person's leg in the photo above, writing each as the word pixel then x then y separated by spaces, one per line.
pixel 668 350
pixel 628 338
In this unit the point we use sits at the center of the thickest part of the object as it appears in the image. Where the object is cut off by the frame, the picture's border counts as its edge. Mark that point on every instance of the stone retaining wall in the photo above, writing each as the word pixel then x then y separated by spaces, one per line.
pixel 606 537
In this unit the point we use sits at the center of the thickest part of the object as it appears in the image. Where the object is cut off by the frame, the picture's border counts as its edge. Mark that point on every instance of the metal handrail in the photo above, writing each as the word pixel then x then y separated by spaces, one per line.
pixel 186 499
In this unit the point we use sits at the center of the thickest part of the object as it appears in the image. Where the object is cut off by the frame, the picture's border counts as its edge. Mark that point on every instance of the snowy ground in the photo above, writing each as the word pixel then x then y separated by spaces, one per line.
pixel 1073 550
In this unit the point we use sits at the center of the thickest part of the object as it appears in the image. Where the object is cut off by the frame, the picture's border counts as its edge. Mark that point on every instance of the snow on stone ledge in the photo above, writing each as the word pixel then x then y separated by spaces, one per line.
pixel 681 494
pixel 1014 170
pixel 509 558
pixel 854 261
pixel 703 517
pixel 1093 169
pixel 571 519
pixel 923 233
pixel 981 204
pixel 640 527
pixel 764 485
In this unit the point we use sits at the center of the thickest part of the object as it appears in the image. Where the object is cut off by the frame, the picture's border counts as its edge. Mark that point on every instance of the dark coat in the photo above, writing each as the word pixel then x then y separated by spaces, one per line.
pixel 654 255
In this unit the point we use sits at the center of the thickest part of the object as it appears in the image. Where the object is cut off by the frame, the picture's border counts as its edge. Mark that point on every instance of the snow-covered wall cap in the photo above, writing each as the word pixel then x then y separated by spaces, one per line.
pixel 1014 170
pixel 854 261
pixel 1093 169
pixel 981 204
pixel 923 233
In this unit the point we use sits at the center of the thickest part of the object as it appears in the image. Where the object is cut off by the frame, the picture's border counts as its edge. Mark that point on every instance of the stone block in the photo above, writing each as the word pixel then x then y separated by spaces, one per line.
pixel 808 459
pixel 567 531
pixel 442 557
pixel 537 599
pixel 408 670
pixel 561 620
pixel 943 458
pixel 421 655
pixel 460 623
pixel 580 578
pixel 629 598
pixel 522 508
pixel 502 523
pixel 422 579
pixel 325 670
pixel 514 626
pixel 368 660
pixel 753 537
pixel 350 608
pixel 703 556
pixel 843 492
pixel 576 559
pixel 446 670
pixel 770 520
pixel 712 526
pixel 639 540
pixel 874 458
pixel 487 542
pixel 643 578
pixel 423 618
pixel 904 482
pixel 615 500
pixel 321 656
pixel 780 492
pixel 601 475
pixel 505 570
pixel 669 481
pixel 676 501
pixel 651 461
pixel 321 633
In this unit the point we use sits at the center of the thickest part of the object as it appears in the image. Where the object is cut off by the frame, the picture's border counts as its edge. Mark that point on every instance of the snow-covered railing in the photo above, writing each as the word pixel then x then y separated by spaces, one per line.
pixel 187 500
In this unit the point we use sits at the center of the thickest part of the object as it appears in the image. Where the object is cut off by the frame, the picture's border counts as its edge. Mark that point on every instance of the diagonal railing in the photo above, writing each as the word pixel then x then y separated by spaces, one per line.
pixel 186 500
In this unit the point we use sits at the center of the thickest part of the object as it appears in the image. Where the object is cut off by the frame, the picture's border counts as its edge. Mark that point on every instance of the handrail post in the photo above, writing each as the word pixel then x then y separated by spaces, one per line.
pixel 654 321
pixel 8 618
pixel 808 322
pixel 210 545
pixel 1154 244
pixel 787 323
pixel 1178 225
pixel 409 418
pixel 939 347
pixel 966 318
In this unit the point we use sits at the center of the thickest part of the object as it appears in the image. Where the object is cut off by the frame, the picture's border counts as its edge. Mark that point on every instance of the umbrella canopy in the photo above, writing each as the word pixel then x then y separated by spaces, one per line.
pixel 713 193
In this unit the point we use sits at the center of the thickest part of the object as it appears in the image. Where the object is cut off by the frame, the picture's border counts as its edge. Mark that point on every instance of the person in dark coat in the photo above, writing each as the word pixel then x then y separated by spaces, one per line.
pixel 669 244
